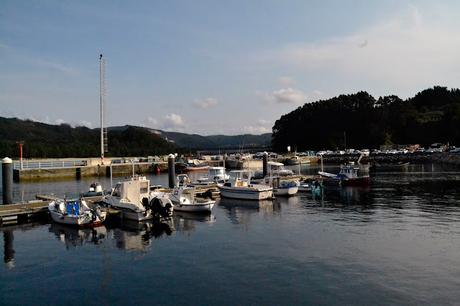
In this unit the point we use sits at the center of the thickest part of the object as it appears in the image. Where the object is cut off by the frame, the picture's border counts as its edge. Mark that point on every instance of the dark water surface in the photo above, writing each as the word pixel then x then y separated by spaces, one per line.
pixel 397 242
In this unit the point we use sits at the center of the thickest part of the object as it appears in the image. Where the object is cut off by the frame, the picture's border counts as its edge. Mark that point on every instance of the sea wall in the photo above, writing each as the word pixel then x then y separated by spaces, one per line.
pixel 416 158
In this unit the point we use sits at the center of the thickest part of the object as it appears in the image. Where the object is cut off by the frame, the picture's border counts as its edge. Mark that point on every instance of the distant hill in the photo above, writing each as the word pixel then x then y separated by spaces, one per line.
pixel 45 140
pixel 199 142
pixel 195 141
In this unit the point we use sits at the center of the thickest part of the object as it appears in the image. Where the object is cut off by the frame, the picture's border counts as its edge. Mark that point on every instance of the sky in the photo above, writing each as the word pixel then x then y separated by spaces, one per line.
pixel 216 67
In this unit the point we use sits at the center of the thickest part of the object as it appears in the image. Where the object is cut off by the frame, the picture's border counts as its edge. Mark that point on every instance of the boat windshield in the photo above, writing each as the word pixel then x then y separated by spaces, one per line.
pixel 117 190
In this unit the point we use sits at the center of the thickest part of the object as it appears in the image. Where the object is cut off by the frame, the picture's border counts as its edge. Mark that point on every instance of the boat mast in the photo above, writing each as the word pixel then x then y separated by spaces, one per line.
pixel 101 106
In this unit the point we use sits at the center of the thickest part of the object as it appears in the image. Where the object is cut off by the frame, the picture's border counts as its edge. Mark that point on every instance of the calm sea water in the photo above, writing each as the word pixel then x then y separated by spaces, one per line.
pixel 397 242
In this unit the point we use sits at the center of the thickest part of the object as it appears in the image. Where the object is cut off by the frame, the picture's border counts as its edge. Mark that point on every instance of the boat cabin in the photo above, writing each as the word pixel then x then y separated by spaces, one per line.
pixel 239 178
pixel 349 171
pixel 133 190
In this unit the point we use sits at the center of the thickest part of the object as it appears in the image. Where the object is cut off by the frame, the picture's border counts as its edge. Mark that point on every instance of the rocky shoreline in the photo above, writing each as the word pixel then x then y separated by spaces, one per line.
pixel 416 158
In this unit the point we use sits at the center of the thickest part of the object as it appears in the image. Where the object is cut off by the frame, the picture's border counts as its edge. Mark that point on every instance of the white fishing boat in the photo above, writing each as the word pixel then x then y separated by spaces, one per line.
pixel 184 199
pixel 215 175
pixel 276 169
pixel 239 187
pixel 134 200
pixel 284 187
pixel 75 212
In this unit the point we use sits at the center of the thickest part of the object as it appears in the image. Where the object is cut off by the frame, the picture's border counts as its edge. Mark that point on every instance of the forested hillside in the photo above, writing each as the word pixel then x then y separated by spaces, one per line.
pixel 45 140
pixel 432 115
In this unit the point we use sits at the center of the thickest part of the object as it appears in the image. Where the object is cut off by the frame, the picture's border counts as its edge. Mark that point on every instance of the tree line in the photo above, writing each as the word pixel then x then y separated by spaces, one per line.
pixel 432 115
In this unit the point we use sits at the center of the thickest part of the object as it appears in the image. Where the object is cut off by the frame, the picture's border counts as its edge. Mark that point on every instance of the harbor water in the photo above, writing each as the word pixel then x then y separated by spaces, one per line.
pixel 396 242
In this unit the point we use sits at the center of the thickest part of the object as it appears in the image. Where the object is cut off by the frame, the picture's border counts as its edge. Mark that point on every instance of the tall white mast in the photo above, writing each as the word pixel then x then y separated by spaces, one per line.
pixel 102 105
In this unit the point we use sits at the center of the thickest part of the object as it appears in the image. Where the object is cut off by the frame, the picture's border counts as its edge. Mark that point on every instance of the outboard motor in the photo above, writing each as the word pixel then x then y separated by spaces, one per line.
pixel 145 203
pixel 161 207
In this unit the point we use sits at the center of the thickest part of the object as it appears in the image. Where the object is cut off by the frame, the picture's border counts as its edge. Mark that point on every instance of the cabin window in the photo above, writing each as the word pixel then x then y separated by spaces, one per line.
pixel 144 188
pixel 117 190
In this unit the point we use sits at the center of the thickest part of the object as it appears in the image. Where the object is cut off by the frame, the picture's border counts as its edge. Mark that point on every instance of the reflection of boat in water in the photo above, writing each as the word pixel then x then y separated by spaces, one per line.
pixel 183 215
pixel 73 236
pixel 243 204
pixel 240 211
pixel 137 236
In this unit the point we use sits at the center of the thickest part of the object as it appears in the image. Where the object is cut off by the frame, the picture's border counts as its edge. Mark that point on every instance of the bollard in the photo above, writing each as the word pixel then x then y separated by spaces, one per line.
pixel 7 180
pixel 171 171
pixel 265 164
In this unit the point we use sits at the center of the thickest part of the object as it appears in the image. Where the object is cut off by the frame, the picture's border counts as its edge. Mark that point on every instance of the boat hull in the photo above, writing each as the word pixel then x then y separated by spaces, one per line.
pixel 286 192
pixel 246 193
pixel 197 207
pixel 136 215
pixel 81 220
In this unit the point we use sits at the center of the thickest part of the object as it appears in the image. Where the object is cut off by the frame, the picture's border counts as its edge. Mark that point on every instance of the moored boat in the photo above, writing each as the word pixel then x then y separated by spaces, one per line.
pixel 185 199
pixel 239 187
pixel 134 200
pixel 75 212
pixel 349 175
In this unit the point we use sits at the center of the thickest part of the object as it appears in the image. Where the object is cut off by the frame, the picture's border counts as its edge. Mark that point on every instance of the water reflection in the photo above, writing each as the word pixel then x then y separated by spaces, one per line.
pixel 137 236
pixel 8 257
pixel 128 235
pixel 240 211
pixel 74 237
pixel 187 222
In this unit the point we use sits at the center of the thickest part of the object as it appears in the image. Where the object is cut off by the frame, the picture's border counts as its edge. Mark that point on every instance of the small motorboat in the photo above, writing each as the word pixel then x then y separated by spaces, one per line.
pixel 75 212
pixel 136 202
pixel 349 175
pixel 215 175
pixel 239 187
pixel 184 199
pixel 282 186
pixel 95 189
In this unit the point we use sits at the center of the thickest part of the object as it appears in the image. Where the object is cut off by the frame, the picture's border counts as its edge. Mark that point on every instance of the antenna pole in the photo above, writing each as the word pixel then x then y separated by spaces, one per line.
pixel 101 107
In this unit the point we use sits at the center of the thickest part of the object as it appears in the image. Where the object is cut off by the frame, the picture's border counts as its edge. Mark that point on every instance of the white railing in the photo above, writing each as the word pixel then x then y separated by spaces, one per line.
pixel 50 164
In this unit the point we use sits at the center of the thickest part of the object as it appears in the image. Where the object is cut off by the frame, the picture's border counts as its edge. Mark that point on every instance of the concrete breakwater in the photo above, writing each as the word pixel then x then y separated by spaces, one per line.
pixel 93 170
pixel 416 158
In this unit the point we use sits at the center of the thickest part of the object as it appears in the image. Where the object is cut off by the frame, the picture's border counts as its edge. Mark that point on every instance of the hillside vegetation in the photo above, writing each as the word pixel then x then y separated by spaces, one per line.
pixel 432 115
pixel 45 140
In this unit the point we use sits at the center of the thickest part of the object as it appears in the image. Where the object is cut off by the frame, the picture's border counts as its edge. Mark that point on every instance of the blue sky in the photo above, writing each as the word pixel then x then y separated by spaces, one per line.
pixel 212 67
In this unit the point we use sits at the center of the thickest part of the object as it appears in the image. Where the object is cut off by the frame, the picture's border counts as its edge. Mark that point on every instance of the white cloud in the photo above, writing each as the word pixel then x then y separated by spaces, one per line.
pixel 151 122
pixel 404 51
pixel 256 129
pixel 284 96
pixel 169 122
pixel 173 122
pixel 84 123
pixel 261 126
pixel 206 103
pixel 60 121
